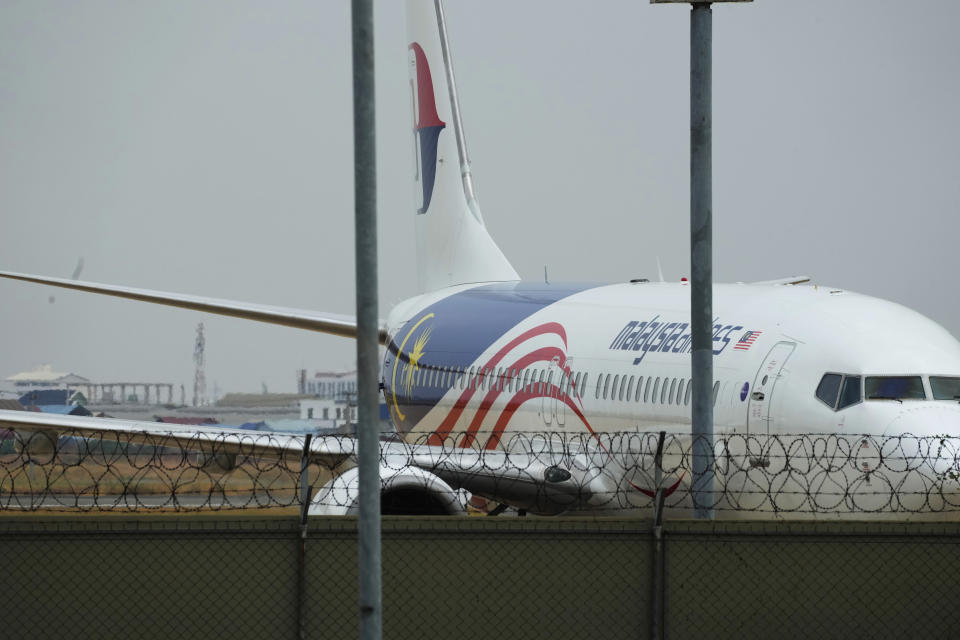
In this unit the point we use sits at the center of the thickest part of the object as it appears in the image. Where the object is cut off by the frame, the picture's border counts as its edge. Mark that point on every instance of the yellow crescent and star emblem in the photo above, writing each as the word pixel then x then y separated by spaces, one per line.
pixel 413 362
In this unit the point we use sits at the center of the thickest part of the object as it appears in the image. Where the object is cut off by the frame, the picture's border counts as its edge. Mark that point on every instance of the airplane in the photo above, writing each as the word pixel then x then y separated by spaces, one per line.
pixel 488 376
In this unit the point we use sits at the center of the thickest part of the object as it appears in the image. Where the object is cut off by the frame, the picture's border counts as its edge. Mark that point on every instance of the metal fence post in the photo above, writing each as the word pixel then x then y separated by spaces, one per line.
pixel 305 491
pixel 657 585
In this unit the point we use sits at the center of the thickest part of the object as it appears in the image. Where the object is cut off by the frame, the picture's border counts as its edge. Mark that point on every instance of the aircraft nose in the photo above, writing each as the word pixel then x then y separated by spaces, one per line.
pixel 926 420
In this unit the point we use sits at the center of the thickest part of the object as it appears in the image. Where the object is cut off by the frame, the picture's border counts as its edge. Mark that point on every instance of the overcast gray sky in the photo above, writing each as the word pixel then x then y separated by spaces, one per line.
pixel 206 148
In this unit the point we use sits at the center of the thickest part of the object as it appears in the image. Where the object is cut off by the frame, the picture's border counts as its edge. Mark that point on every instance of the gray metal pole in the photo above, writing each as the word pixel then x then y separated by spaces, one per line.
pixel 701 255
pixel 365 200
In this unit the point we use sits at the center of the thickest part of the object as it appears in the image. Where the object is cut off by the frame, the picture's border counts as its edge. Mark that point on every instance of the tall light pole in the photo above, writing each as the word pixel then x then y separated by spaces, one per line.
pixel 701 248
pixel 368 441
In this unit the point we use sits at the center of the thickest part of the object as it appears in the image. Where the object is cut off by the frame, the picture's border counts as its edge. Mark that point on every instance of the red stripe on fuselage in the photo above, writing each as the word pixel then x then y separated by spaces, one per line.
pixel 544 354
pixel 440 435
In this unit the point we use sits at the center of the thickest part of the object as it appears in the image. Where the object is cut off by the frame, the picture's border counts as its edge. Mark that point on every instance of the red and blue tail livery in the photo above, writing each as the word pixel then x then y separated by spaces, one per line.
pixel 428 125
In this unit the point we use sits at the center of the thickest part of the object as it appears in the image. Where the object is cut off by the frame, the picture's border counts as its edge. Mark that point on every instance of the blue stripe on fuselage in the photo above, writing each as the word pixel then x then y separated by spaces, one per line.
pixel 463 326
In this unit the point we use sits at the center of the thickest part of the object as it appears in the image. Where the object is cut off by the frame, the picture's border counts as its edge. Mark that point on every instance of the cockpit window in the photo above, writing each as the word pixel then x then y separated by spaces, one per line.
pixel 894 388
pixel 839 391
pixel 829 389
pixel 850 394
pixel 945 388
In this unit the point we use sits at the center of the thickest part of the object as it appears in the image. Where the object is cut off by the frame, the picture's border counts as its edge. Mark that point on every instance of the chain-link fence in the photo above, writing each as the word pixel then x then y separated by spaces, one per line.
pixel 201 576
pixel 550 473
pixel 812 580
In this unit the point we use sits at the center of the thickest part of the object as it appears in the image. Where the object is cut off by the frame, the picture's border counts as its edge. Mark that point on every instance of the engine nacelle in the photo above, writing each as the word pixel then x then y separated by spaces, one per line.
pixel 39 446
pixel 216 462
pixel 403 491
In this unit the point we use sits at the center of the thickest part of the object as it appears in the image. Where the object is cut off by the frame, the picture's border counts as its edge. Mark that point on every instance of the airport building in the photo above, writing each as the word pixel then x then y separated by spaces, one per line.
pixel 334 385
pixel 44 378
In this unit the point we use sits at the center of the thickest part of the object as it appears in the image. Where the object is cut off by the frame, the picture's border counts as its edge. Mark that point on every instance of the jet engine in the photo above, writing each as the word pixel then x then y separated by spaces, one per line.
pixel 403 491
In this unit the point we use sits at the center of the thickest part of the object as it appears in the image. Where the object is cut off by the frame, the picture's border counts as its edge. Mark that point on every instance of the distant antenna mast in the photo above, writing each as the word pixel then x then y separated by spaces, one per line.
pixel 199 378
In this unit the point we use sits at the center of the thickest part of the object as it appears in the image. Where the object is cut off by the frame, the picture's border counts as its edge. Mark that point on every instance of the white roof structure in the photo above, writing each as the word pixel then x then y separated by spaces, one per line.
pixel 44 374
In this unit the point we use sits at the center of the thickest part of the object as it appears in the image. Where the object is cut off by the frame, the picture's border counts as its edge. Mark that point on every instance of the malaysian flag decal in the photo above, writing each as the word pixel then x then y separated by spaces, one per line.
pixel 747 340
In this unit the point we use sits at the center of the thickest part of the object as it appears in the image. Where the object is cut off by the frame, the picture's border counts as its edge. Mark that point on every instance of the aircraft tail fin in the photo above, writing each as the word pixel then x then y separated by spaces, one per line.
pixel 453 244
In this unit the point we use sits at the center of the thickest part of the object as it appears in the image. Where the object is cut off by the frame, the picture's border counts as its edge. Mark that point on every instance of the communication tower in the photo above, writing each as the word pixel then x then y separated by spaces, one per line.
pixel 199 377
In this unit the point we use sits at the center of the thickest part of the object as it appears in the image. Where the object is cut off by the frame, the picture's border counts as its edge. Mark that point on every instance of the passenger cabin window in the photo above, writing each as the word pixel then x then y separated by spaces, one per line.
pixel 894 388
pixel 639 389
pixel 673 389
pixel 646 391
pixel 945 388
pixel 656 387
pixel 583 385
pixel 716 392
pixel 630 388
pixel 680 391
pixel 613 392
pixel 599 384
pixel 686 398
pixel 606 385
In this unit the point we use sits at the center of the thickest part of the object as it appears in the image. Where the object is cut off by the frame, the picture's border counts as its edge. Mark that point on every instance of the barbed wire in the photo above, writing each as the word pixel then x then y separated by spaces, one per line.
pixel 541 472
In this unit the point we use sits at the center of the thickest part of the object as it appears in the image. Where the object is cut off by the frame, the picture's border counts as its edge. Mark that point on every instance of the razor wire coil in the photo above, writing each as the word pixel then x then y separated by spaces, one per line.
pixel 552 472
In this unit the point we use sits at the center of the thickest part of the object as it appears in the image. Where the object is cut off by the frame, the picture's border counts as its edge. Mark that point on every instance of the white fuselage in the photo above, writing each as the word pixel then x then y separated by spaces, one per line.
pixel 617 359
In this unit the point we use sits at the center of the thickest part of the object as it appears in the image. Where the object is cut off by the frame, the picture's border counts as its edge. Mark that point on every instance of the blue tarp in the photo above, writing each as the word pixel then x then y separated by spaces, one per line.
pixel 64 409
pixel 294 426
pixel 249 426
pixel 46 397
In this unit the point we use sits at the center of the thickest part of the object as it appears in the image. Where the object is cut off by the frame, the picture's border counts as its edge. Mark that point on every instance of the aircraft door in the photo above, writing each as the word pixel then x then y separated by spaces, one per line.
pixel 548 397
pixel 562 382
pixel 761 393
pixel 547 409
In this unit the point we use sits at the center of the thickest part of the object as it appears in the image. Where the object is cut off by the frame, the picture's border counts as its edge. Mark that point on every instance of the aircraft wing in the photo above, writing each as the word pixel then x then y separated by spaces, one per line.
pixel 516 478
pixel 340 325
pixel 329 451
